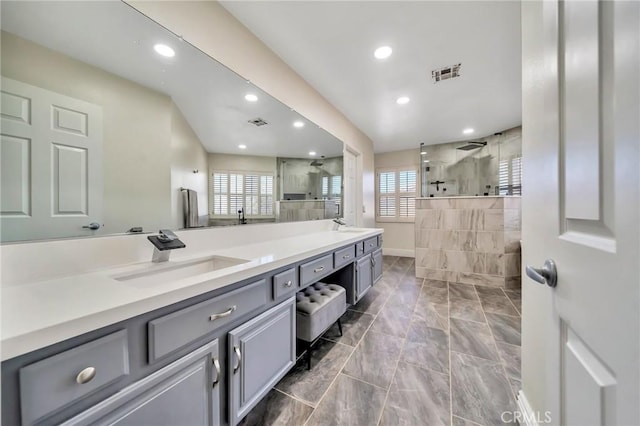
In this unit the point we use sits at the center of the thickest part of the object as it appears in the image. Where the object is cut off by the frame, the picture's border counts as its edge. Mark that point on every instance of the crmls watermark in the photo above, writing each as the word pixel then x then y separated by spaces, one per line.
pixel 525 418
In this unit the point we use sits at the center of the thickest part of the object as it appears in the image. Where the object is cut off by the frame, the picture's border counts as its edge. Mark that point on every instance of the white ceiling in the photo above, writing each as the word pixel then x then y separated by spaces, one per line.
pixel 331 43
pixel 115 37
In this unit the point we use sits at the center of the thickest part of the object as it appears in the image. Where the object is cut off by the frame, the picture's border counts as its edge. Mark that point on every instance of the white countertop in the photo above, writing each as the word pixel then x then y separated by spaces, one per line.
pixel 41 313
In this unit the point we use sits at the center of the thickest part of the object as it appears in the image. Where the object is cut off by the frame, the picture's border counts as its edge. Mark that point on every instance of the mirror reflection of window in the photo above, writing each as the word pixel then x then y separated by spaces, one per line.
pixel 234 191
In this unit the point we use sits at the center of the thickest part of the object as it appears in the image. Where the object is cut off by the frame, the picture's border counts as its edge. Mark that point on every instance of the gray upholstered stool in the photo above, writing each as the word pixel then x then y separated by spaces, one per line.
pixel 317 308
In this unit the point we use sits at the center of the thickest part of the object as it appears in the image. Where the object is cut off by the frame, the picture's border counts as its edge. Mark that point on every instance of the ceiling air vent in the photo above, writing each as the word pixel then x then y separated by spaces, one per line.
pixel 258 122
pixel 446 73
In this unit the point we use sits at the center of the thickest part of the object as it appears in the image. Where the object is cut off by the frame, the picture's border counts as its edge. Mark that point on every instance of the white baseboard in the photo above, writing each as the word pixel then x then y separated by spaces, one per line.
pixel 528 416
pixel 398 252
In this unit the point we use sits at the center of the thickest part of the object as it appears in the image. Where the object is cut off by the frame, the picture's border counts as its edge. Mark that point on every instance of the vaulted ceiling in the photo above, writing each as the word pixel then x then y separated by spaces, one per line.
pixel 331 44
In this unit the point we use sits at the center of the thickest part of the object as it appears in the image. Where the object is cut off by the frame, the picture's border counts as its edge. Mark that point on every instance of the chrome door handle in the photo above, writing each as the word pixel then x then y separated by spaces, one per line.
pixel 222 314
pixel 320 269
pixel 238 359
pixel 216 365
pixel 93 226
pixel 548 274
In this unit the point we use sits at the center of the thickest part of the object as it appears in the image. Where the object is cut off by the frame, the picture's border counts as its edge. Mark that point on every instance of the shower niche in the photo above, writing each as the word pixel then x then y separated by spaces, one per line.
pixel 484 166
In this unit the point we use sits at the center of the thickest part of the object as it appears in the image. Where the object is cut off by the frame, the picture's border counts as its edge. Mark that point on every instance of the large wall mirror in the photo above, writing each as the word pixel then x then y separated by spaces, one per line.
pixel 113 124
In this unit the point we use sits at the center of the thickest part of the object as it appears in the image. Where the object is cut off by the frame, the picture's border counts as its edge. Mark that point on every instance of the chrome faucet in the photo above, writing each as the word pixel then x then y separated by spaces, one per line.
pixel 337 222
pixel 163 243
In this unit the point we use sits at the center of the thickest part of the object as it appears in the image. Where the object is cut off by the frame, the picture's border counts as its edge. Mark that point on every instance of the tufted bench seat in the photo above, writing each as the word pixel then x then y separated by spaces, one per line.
pixel 317 308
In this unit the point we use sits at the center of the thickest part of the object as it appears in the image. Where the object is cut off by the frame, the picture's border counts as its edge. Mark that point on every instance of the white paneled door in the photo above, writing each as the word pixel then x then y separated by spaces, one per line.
pixel 581 209
pixel 51 164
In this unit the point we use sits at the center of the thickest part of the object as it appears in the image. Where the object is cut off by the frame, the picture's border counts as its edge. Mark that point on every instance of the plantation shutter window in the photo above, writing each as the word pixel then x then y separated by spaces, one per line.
pixel 396 194
pixel 387 194
pixel 510 176
pixel 266 195
pixel 234 191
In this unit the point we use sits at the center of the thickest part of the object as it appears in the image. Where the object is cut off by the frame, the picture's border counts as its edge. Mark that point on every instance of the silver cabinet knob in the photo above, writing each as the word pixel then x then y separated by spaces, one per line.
pixel 288 283
pixel 548 274
pixel 86 375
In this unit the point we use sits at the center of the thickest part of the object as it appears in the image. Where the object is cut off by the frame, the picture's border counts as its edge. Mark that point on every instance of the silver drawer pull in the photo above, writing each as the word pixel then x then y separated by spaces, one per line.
pixel 288 283
pixel 86 375
pixel 370 244
pixel 239 359
pixel 216 365
pixel 346 256
pixel 222 314
pixel 320 269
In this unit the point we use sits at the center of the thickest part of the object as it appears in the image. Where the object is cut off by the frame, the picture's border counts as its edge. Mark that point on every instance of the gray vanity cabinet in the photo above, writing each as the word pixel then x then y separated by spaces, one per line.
pixel 376 260
pixel 260 353
pixel 185 392
pixel 364 276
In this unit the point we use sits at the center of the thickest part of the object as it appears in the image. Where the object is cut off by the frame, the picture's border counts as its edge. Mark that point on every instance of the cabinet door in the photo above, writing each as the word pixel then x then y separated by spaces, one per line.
pixel 377 265
pixel 185 392
pixel 261 352
pixel 363 276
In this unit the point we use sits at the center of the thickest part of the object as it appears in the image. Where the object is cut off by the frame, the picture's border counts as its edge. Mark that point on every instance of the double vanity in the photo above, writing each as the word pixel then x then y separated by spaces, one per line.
pixel 200 341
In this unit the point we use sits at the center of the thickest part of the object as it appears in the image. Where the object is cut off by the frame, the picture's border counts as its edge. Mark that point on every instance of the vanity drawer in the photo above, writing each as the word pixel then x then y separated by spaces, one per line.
pixel 54 382
pixel 311 272
pixel 370 244
pixel 359 249
pixel 285 283
pixel 173 331
pixel 344 256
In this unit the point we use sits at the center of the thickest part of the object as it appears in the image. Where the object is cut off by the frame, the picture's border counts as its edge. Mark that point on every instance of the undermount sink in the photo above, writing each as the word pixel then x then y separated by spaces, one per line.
pixel 353 230
pixel 162 273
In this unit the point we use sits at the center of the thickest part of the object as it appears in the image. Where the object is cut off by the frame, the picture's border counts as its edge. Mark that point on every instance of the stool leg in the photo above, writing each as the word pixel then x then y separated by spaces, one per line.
pixel 340 326
pixel 309 356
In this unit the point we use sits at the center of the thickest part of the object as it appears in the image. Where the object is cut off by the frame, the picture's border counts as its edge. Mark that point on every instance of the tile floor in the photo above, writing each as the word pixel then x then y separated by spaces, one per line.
pixel 414 352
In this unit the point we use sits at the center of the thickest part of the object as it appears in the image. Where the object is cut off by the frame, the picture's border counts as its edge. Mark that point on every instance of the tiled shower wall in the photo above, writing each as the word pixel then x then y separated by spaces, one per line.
pixel 301 210
pixel 472 240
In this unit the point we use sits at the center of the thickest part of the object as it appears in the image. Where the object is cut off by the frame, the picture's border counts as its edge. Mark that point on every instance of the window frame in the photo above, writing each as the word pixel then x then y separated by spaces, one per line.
pixel 396 194
pixel 243 195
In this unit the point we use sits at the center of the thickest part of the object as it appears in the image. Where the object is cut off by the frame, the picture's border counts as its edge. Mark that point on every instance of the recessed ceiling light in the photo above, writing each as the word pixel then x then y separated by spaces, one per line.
pixel 312 153
pixel 242 146
pixel 402 100
pixel 467 131
pixel 298 124
pixel 164 50
pixel 383 52
pixel 250 97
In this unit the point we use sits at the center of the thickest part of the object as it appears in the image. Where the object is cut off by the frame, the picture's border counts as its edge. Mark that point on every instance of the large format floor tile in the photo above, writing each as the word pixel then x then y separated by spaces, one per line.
pixel 278 409
pixel 473 338
pixel 427 347
pixel 349 402
pixel 327 358
pixel 481 390
pixel 393 320
pixel 417 397
pixel 374 359
pixel 505 328
pixel 392 365
pixel 354 326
